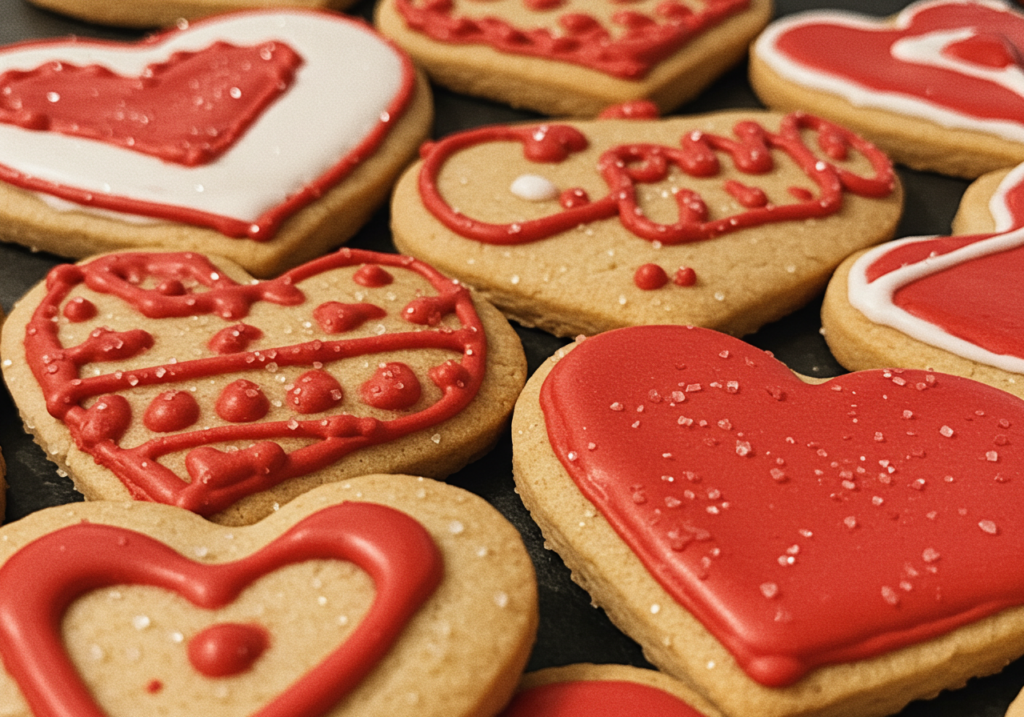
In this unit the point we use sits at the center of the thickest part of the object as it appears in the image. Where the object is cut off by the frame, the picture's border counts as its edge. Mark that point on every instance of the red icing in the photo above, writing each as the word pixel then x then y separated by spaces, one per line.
pixel 264 227
pixel 79 310
pixel 685 276
pixel 597 698
pixel 650 277
pixel 337 318
pixel 630 49
pixel 171 411
pixel 227 649
pixel 228 477
pixel 372 276
pixel 828 47
pixel 45 577
pixel 638 109
pixel 394 387
pixel 314 392
pixel 188 110
pixel 803 525
pixel 624 167
pixel 242 401
pixel 233 338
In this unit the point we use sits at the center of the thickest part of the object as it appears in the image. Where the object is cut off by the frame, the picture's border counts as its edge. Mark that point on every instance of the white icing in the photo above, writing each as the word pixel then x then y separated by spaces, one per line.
pixel 533 188
pixel 875 299
pixel 349 77
pixel 925 49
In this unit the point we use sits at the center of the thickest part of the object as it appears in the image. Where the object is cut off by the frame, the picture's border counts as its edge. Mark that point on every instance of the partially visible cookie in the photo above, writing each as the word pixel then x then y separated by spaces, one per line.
pixel 937 86
pixel 575 57
pixel 268 137
pixel 164 13
pixel 727 220
pixel 947 303
pixel 784 548
pixel 386 595
pixel 585 689
pixel 177 378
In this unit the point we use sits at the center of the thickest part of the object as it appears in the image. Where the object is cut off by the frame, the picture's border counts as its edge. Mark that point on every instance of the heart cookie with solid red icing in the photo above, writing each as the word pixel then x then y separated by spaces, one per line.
pixel 762 537
pixel 176 378
pixel 728 221
pixel 948 303
pixel 572 57
pixel 952 67
pixel 189 139
pixel 329 607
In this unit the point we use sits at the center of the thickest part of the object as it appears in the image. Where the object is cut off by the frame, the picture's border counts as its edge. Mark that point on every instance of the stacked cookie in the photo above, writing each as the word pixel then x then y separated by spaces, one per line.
pixel 293 456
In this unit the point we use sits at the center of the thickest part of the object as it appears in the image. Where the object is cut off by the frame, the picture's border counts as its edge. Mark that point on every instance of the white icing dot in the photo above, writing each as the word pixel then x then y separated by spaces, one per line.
pixel 533 188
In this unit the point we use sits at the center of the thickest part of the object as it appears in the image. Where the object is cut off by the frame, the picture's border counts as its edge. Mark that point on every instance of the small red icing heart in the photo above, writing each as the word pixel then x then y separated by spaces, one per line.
pixel 803 525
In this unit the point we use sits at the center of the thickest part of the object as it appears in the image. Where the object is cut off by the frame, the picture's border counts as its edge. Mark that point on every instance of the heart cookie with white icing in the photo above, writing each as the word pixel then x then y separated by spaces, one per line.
pixel 728 220
pixel 268 137
pixel 785 548
pixel 575 57
pixel 388 595
pixel 948 303
pixel 176 378
pixel 938 86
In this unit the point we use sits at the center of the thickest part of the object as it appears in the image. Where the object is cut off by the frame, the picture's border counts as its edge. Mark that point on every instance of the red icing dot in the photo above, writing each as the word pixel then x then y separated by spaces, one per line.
pixel 372 276
pixel 450 374
pixel 171 287
pixel 685 276
pixel 747 196
pixel 571 198
pixel 315 391
pixel 242 401
pixel 234 339
pixel 79 309
pixel 106 420
pixel 650 277
pixel 171 411
pixel 154 686
pixel 638 109
pixel 335 317
pixel 393 387
pixel 227 649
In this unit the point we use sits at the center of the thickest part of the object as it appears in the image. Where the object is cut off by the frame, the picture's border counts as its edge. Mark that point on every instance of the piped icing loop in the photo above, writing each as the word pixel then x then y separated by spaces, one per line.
pixel 625 167
pixel 311 408
pixel 46 576
pixel 633 44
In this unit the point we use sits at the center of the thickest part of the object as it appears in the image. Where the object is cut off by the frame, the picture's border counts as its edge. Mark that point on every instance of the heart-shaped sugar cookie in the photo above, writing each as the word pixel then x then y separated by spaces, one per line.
pixel 575 57
pixel 355 599
pixel 238 135
pixel 948 303
pixel 176 378
pixel 727 221
pixel 787 548
pixel 939 86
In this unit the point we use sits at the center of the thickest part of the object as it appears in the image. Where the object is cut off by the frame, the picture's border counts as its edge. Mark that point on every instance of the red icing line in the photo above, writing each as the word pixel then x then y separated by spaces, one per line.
pixel 626 166
pixel 802 525
pixel 46 576
pixel 628 51
pixel 330 437
pixel 264 227
pixel 828 47
pixel 597 698
pixel 156 113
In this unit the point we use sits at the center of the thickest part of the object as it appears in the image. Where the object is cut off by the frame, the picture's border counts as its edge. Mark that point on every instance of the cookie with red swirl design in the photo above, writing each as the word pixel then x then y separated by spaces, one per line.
pixel 938 86
pixel 177 378
pixel 387 595
pixel 728 220
pixel 575 57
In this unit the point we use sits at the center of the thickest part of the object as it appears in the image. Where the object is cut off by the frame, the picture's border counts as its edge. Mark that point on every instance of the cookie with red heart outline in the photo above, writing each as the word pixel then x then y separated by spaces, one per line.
pixel 587 689
pixel 166 13
pixel 386 595
pixel 575 57
pixel 785 548
pixel 177 378
pixel 269 137
pixel 945 302
pixel 939 86
pixel 729 220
